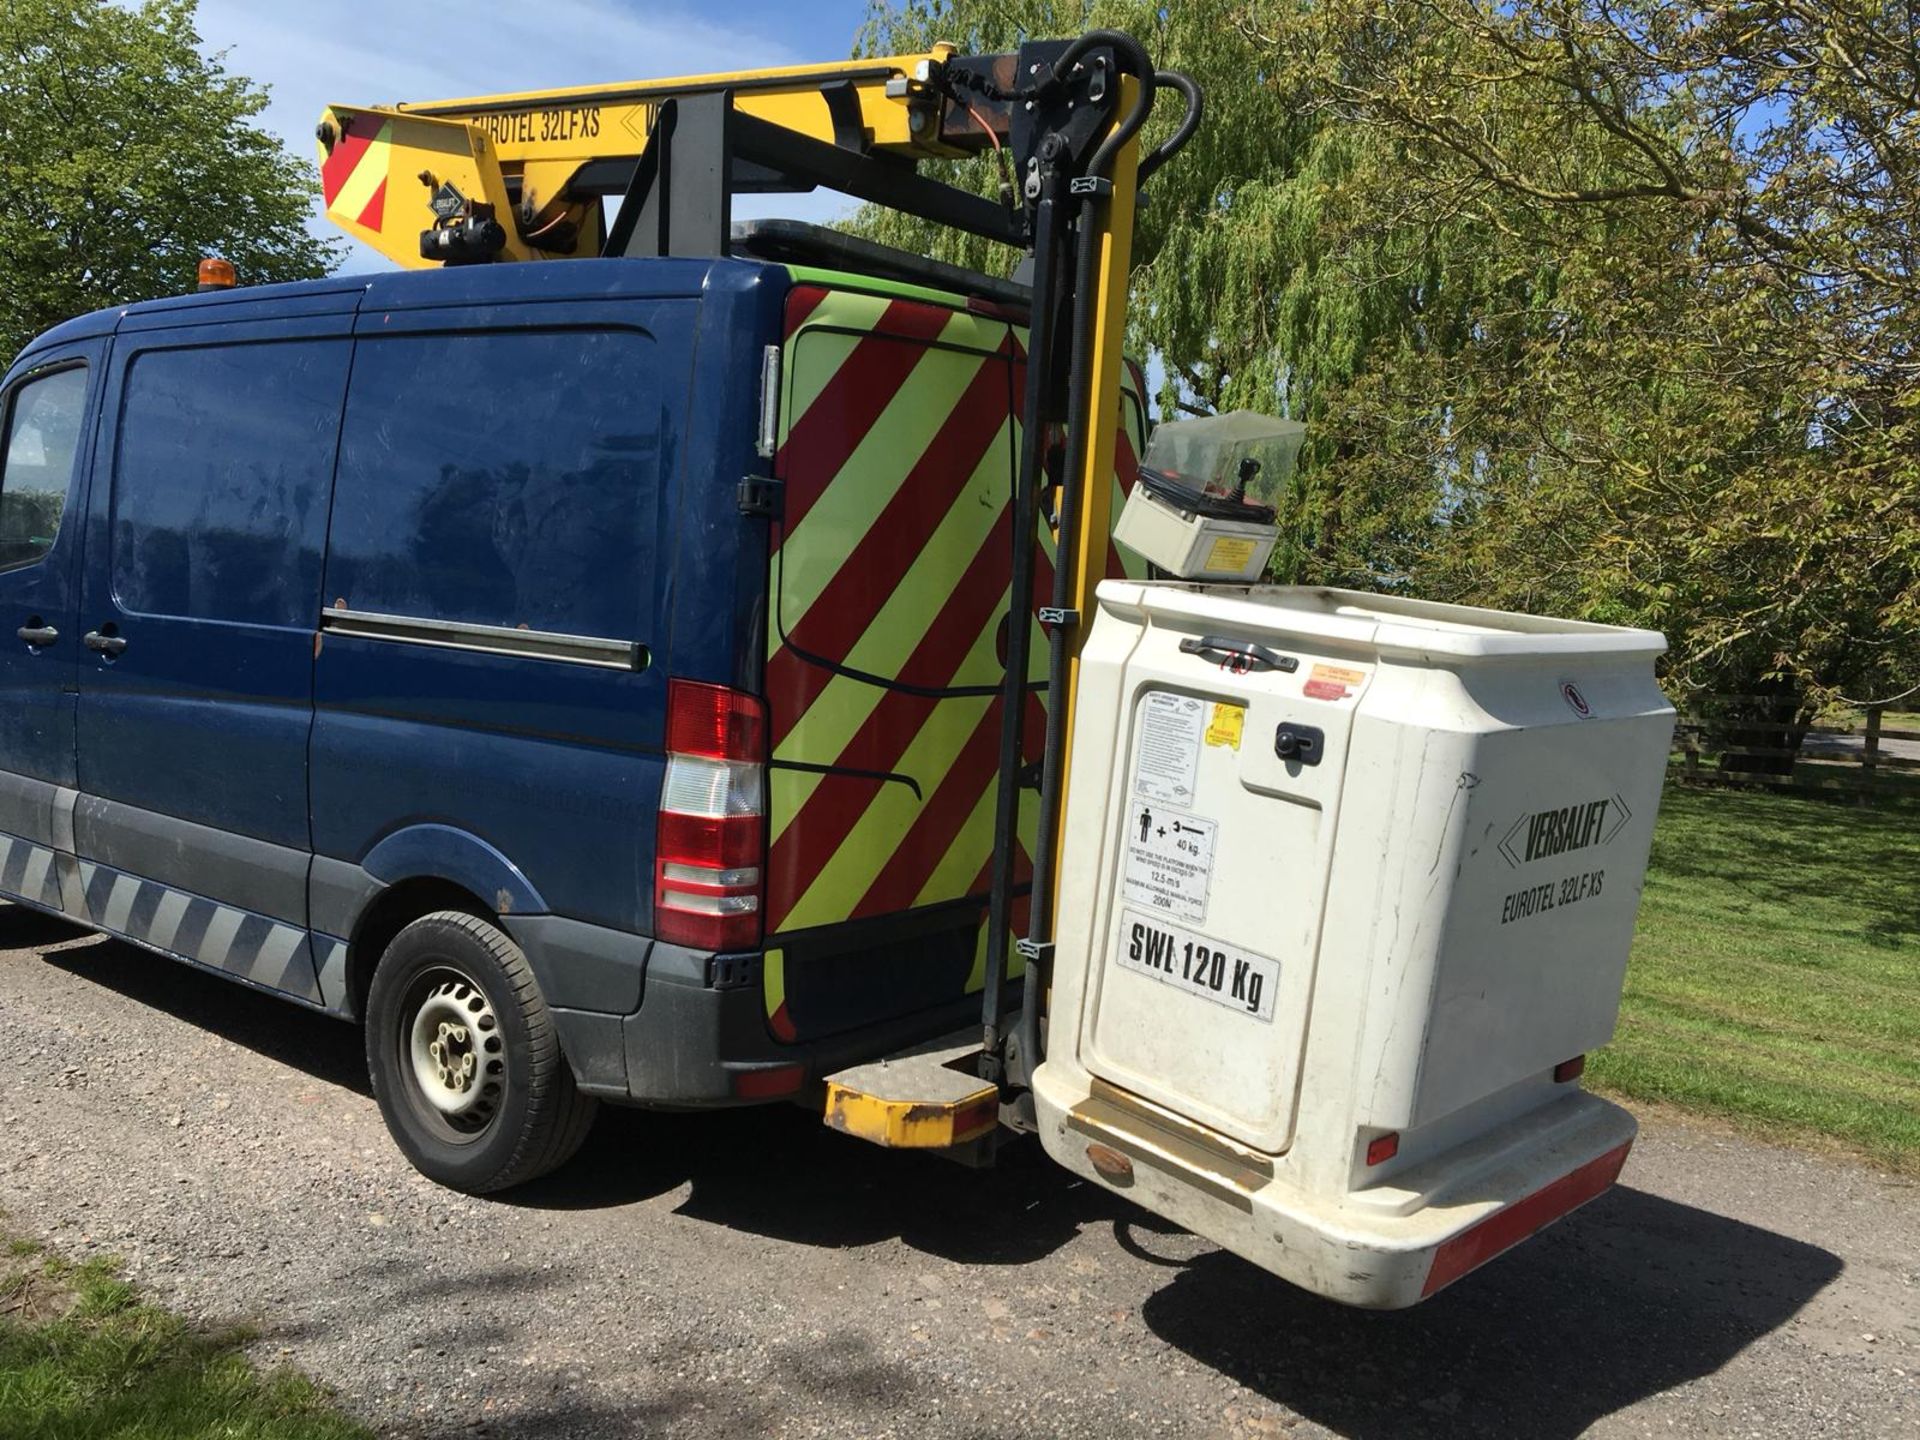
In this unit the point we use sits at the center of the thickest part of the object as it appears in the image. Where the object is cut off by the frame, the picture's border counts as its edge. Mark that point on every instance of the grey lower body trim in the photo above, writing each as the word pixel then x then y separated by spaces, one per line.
pixel 31 872
pixel 254 875
pixel 581 966
pixel 595 1047
pixel 338 893
pixel 690 1045
pixel 26 808
pixel 246 946
pixel 330 974
pixel 241 943
pixel 64 803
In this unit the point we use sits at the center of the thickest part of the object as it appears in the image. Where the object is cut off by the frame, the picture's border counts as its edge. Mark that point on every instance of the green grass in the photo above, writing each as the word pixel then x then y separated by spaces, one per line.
pixel 1775 979
pixel 1891 719
pixel 82 1357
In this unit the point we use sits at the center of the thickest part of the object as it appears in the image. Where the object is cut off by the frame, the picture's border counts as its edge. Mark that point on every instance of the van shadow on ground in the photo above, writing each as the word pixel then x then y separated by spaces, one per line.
pixel 770 1170
pixel 1628 1297
pixel 323 1047
pixel 1632 1295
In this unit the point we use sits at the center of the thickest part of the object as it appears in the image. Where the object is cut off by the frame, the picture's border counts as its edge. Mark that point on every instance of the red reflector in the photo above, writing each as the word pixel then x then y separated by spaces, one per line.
pixel 976 1118
pixel 1383 1147
pixel 714 721
pixel 767 1083
pixel 1569 1069
pixel 700 930
pixel 1506 1228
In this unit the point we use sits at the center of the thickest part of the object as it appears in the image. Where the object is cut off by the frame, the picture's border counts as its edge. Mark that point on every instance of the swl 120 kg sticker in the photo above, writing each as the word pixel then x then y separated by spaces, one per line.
pixel 1200 965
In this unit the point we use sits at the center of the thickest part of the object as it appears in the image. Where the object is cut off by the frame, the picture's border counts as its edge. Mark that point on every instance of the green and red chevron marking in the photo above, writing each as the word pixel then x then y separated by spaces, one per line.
pixel 889 576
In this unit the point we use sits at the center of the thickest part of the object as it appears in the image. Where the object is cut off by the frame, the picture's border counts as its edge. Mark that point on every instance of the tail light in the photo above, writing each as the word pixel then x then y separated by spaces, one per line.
pixel 711 841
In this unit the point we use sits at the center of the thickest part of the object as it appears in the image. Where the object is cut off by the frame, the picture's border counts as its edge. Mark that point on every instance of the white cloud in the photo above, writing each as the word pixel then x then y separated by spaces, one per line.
pixel 310 57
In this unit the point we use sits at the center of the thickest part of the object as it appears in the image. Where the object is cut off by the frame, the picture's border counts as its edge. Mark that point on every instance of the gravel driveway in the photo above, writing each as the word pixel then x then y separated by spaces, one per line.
pixel 752 1273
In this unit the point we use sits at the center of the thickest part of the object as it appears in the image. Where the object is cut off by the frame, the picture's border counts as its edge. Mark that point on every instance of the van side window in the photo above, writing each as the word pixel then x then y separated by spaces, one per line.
pixel 43 440
pixel 220 482
pixel 500 478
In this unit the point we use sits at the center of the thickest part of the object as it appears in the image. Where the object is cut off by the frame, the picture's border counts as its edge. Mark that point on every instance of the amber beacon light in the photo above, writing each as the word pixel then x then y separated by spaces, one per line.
pixel 216 274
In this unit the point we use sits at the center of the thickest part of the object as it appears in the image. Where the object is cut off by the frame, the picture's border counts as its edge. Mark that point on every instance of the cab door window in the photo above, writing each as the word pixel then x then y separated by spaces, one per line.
pixel 43 440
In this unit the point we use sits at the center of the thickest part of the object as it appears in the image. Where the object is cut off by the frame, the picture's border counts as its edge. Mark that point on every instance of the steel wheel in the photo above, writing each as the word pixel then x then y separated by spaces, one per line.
pixel 459 1058
pixel 464 1058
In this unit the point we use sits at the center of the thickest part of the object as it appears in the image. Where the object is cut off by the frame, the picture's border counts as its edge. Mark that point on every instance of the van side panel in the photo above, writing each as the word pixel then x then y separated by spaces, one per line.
pixel 718 572
pixel 502 471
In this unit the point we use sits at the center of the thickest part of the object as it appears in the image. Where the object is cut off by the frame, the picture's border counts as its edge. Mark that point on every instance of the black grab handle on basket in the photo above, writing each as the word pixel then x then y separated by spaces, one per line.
pixel 1252 654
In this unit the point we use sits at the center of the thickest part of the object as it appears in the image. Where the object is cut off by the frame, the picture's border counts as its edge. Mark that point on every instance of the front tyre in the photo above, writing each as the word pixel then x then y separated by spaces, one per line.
pixel 464 1059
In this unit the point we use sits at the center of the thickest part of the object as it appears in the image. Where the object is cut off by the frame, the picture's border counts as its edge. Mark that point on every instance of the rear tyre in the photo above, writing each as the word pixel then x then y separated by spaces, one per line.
pixel 464 1059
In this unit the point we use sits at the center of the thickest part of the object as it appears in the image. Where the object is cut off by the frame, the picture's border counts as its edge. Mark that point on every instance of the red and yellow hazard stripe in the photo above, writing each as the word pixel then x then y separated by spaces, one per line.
pixel 353 175
pixel 901 437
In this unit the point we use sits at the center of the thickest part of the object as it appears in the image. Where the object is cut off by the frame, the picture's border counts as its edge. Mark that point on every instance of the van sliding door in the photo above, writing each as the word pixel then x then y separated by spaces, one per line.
pixel 198 607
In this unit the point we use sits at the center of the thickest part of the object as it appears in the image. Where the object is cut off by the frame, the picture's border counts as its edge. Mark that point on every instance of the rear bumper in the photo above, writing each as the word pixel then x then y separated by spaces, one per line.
pixel 692 1044
pixel 1379 1249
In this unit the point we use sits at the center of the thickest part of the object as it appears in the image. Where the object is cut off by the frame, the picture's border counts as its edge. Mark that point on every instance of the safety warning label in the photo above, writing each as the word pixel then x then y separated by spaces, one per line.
pixel 1169 861
pixel 1169 757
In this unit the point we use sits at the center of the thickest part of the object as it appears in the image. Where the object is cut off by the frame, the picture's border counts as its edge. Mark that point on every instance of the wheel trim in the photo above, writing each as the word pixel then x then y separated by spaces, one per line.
pixel 453 1052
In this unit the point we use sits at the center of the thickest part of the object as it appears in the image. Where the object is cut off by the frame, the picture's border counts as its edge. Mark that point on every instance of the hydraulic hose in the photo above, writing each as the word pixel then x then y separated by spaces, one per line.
pixel 1174 143
pixel 1131 56
pixel 1046 838
pixel 1040 929
pixel 1041 345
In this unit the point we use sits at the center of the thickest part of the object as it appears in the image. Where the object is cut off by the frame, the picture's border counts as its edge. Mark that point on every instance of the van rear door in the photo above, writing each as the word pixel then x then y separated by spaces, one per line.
pixel 886 641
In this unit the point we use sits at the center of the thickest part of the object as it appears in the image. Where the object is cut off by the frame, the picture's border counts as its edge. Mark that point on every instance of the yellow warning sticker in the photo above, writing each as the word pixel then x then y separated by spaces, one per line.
pixel 1230 553
pixel 1226 725
pixel 1337 675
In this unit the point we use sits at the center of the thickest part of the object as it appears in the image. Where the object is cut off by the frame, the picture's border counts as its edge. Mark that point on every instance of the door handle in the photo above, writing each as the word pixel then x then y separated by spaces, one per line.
pixel 104 643
pixel 36 634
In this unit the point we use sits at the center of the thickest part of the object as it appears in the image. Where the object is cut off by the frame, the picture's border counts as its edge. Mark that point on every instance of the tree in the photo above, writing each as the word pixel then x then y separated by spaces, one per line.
pixel 1707 421
pixel 1604 309
pixel 126 155
pixel 1280 322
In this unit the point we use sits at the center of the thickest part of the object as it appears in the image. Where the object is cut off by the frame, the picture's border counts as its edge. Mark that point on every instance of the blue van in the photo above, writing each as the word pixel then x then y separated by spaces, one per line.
pixel 583 676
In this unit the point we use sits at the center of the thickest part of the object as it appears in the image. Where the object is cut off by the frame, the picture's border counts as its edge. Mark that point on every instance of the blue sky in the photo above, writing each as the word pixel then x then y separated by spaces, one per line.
pixel 310 56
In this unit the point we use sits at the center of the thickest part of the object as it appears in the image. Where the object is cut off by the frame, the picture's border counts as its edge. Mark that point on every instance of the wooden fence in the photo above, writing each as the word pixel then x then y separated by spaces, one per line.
pixel 1862 762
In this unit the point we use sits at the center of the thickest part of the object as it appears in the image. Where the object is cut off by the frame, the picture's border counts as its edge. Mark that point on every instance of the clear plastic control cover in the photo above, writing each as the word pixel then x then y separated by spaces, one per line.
pixel 1207 457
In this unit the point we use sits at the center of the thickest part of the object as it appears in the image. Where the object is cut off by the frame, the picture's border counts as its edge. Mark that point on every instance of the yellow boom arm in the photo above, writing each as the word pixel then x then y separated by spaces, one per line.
pixel 545 159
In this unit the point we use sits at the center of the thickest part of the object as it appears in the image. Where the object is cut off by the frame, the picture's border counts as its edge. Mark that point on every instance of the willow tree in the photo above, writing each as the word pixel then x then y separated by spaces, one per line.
pixel 1707 422
pixel 1234 291
pixel 1602 310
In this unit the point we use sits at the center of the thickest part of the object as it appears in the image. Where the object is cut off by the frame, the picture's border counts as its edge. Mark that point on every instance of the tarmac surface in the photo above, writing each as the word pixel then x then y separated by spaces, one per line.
pixel 751 1273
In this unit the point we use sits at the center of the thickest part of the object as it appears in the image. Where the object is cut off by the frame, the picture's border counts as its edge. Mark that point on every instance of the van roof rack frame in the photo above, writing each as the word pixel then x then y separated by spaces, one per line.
pixel 797 242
